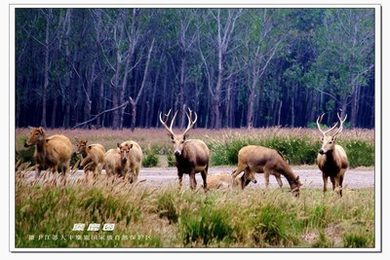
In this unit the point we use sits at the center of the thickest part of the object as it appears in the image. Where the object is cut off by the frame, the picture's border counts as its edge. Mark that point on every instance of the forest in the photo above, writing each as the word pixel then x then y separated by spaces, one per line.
pixel 236 68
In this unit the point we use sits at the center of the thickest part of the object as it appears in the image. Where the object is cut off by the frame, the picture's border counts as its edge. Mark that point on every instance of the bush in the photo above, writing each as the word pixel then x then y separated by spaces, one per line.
pixel 360 153
pixel 296 150
pixel 171 160
pixel 150 159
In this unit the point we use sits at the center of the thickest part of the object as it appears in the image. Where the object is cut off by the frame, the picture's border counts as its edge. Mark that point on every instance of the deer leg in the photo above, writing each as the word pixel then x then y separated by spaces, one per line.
pixel 204 177
pixel 192 180
pixel 278 179
pixel 38 168
pixel 325 179
pixel 266 178
pixel 338 185
pixel 332 179
pixel 180 174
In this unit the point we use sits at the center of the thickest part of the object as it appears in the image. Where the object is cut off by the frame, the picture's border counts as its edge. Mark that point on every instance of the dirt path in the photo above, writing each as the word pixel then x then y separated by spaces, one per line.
pixel 310 177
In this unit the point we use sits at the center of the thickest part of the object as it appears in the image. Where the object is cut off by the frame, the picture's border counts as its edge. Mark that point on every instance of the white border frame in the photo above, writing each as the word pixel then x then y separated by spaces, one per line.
pixel 378 128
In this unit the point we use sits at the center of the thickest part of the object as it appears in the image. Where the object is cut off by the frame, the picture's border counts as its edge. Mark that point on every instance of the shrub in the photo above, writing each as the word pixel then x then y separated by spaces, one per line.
pixel 296 150
pixel 150 159
pixel 171 160
pixel 360 153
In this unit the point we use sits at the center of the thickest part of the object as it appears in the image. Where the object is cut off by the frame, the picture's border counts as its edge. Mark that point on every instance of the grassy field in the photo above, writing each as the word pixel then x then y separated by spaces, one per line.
pixel 167 217
pixel 298 145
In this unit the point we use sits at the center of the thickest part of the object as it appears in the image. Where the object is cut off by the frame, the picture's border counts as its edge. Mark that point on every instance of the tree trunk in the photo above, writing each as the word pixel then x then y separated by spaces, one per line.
pixel 280 112
pixel 355 106
pixel 181 106
pixel 99 121
pixel 46 71
pixel 54 113
pixel 133 113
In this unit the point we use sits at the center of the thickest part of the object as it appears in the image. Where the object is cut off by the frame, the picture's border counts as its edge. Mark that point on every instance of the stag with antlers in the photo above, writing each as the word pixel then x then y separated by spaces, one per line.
pixel 192 155
pixel 332 159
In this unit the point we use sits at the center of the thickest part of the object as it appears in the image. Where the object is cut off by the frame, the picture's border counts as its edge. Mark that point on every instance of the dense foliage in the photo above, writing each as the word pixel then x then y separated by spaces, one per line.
pixel 235 67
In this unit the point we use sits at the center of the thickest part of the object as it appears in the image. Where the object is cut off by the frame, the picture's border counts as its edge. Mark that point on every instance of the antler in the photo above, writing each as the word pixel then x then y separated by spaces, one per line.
pixel 341 124
pixel 319 119
pixel 164 123
pixel 191 122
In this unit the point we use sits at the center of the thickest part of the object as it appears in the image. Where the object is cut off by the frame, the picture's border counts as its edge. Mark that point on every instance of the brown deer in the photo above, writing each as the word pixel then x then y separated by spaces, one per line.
pixel 53 152
pixel 92 156
pixel 222 181
pixel 332 159
pixel 192 155
pixel 134 158
pixel 117 161
pixel 258 159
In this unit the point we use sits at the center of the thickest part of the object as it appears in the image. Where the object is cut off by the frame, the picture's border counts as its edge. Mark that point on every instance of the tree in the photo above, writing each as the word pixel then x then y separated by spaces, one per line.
pixel 345 45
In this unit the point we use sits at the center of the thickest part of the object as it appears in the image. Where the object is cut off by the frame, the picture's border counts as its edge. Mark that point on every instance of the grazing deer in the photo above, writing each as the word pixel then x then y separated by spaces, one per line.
pixel 192 155
pixel 332 159
pixel 258 159
pixel 52 152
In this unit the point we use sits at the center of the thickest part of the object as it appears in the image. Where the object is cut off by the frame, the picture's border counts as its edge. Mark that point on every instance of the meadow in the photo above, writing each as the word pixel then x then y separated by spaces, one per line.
pixel 298 145
pixel 168 217
pixel 161 217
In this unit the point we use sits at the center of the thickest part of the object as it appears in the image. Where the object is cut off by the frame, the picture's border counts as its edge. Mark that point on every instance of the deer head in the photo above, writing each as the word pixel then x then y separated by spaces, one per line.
pixel 81 146
pixel 124 151
pixel 37 135
pixel 178 140
pixel 329 140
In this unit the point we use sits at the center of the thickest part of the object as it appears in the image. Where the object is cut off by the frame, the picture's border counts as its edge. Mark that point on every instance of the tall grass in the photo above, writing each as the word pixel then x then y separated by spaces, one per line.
pixel 168 217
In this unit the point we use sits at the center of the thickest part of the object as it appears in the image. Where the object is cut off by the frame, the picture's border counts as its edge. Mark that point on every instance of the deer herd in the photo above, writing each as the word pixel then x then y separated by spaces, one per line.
pixel 192 156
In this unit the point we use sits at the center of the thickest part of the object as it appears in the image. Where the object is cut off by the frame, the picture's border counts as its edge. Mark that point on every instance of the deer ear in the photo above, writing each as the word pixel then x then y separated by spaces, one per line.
pixel 41 130
pixel 131 146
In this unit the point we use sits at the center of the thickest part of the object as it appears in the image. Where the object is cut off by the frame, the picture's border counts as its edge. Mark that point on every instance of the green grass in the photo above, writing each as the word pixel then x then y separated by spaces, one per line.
pixel 296 150
pixel 150 159
pixel 167 217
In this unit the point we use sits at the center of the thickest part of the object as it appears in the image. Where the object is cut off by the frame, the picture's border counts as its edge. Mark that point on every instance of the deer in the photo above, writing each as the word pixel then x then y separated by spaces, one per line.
pixel 258 159
pixel 332 159
pixel 192 155
pixel 53 152
pixel 222 181
pixel 134 158
pixel 117 161
pixel 92 156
